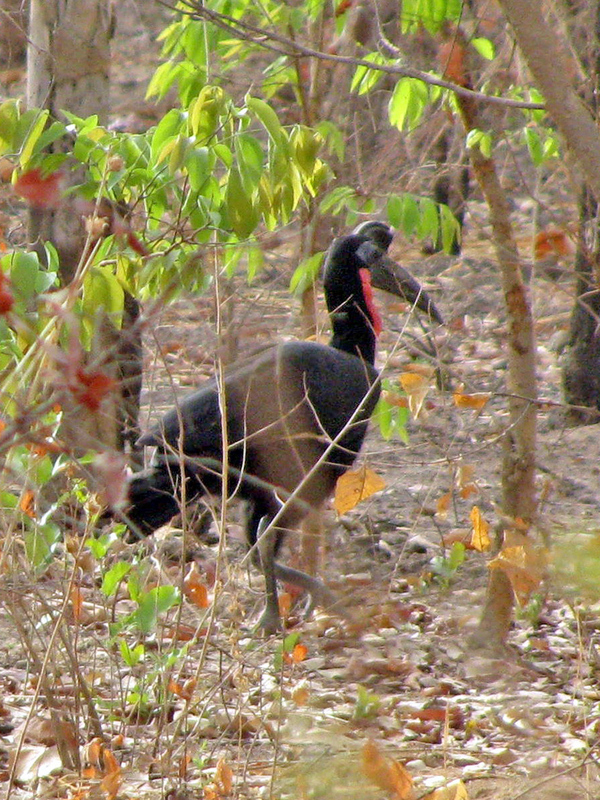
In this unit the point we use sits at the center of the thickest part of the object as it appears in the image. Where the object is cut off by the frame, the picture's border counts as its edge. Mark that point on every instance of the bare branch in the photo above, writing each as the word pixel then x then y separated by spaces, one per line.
pixel 276 42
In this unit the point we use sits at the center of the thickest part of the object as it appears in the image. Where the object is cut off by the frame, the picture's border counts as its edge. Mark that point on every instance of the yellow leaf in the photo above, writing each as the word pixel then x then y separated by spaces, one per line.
pixel 455 790
pixel 224 777
pixel 474 401
pixel 442 505
pixel 300 694
pixel 480 537
pixel 417 388
pixel 386 773
pixel 524 567
pixel 354 486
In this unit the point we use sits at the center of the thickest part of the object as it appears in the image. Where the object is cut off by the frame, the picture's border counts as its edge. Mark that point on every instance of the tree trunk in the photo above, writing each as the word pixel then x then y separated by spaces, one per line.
pixel 581 361
pixel 518 463
pixel 68 68
pixel 68 63
pixel 13 33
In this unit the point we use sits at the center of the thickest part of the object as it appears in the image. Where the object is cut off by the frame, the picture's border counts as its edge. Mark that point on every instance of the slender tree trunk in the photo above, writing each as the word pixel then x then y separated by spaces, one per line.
pixel 518 463
pixel 68 69
pixel 558 77
pixel 13 32
pixel 581 361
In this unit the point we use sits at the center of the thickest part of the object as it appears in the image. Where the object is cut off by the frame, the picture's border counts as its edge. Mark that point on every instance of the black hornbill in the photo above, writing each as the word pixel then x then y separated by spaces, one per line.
pixel 296 417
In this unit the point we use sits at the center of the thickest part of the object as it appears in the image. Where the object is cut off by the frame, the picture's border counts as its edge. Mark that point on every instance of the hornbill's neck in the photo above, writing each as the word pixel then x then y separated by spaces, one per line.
pixel 349 296
pixel 353 332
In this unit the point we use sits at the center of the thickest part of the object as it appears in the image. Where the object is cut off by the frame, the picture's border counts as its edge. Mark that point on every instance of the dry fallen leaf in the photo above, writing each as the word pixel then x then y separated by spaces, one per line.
pixel 455 790
pixel 301 694
pixel 473 401
pixel 194 587
pixel 524 567
pixel 222 784
pixel 417 388
pixel 480 537
pixel 354 486
pixel 442 505
pixel 386 773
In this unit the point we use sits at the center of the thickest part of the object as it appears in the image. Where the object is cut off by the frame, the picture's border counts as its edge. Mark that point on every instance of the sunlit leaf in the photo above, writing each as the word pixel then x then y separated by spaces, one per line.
pixel 354 486
pixel 480 537
pixel 417 388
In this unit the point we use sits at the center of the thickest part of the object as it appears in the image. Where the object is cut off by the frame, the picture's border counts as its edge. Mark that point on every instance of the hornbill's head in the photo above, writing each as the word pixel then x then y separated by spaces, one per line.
pixel 353 265
pixel 391 277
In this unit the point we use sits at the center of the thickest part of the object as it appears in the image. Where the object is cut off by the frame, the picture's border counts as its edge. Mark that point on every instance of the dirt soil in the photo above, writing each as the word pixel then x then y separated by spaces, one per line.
pixel 402 678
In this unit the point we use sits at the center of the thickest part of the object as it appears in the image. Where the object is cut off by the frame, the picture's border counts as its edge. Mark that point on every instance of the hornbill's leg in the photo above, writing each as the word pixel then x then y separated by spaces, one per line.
pixel 266 542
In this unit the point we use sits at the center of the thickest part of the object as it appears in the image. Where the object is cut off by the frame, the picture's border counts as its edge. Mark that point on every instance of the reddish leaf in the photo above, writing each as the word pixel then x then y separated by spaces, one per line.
pixel 194 588
pixel 40 191
pixel 90 388
pixel 27 504
pixel 7 301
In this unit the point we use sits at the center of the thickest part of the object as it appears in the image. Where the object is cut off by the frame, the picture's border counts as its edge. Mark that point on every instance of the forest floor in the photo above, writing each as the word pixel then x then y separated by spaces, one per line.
pixel 400 684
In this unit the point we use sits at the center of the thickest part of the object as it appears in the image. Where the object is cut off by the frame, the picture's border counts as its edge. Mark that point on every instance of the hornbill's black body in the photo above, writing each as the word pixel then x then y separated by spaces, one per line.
pixel 296 418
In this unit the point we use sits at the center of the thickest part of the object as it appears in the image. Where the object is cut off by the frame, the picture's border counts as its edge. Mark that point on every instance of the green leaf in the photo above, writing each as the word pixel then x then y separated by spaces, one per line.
pixel 457 556
pixel 24 270
pixel 152 604
pixel 240 209
pixel 114 577
pixel 450 227
pixel 407 103
pixel 9 117
pixel 534 145
pixel 164 77
pixel 484 47
pixel 410 215
pixel 255 263
pixel 306 145
pixel 481 139
pixel 40 542
pixel 169 127
pixel 429 220
pixel 34 132
pixel 102 289
pixel 131 655
pixel 364 78
pixel 267 117
pixel 306 273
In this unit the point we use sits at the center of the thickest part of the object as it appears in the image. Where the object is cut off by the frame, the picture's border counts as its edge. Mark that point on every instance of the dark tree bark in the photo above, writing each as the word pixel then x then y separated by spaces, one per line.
pixel 13 32
pixel 581 361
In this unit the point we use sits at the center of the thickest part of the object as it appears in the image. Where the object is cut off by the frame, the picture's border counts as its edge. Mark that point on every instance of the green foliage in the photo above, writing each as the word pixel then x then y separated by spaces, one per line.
pixel 365 79
pixel 422 218
pixel 285 648
pixel 480 140
pixel 391 419
pixel 431 14
pixel 113 577
pixel 367 704
pixel 408 102
pixel 444 567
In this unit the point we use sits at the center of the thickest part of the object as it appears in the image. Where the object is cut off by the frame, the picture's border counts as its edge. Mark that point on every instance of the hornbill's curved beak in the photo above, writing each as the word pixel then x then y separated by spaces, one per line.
pixel 391 277
pixel 386 274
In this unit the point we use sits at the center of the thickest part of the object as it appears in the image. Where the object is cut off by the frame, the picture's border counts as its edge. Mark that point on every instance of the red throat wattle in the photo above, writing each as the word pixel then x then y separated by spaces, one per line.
pixel 365 279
